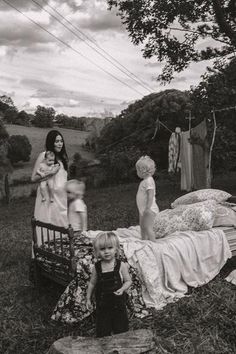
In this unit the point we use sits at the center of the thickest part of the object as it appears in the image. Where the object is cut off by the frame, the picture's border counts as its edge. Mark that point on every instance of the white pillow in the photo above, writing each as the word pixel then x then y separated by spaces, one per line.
pixel 200 196
pixel 225 216
pixel 196 217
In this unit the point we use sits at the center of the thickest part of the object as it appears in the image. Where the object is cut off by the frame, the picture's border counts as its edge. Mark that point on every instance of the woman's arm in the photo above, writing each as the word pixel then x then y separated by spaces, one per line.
pixel 41 172
pixel 126 277
pixel 35 177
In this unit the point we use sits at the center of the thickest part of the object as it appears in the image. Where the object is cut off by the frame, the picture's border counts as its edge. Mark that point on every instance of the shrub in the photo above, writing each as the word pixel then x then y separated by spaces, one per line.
pixel 120 165
pixel 3 132
pixel 89 171
pixel 19 148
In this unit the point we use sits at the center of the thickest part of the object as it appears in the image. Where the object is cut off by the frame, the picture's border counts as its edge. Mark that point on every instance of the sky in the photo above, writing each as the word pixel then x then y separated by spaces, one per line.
pixel 37 69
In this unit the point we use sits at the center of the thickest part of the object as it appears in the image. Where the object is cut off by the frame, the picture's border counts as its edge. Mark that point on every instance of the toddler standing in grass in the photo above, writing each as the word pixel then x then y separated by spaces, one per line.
pixel 77 210
pixel 110 279
pixel 146 197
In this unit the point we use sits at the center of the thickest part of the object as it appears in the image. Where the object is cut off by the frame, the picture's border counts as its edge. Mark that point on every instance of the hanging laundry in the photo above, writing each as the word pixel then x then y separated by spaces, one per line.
pixel 174 151
pixel 200 150
pixel 157 127
pixel 186 162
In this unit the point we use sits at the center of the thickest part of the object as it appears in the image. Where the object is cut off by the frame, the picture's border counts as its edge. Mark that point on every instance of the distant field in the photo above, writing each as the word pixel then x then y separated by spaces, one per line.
pixel 73 140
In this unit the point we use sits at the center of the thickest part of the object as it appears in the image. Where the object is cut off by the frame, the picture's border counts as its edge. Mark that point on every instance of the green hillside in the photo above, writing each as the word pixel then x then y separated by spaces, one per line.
pixel 73 140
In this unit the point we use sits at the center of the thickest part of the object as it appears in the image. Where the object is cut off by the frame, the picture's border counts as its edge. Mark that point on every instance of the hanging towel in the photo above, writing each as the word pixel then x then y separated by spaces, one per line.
pixel 200 151
pixel 174 152
pixel 186 162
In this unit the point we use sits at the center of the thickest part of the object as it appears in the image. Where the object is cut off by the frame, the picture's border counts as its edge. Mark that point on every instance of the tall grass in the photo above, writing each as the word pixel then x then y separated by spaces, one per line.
pixel 203 322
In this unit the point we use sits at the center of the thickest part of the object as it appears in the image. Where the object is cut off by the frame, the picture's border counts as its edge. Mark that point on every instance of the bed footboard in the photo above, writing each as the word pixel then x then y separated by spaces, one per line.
pixel 54 245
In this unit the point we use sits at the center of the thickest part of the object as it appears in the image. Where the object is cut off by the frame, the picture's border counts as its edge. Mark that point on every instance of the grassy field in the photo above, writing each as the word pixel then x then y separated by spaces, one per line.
pixel 73 140
pixel 203 322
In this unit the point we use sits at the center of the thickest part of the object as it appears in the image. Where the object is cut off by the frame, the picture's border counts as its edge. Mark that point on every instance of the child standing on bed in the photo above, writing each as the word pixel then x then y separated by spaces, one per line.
pixel 77 210
pixel 110 279
pixel 146 197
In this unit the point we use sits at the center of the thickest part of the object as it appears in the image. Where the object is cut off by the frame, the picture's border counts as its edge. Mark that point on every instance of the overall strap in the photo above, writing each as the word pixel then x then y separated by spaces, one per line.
pixel 117 266
pixel 98 267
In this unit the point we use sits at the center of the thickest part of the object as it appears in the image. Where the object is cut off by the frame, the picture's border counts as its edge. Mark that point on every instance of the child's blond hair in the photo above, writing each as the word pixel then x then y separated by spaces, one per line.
pixel 104 239
pixel 76 185
pixel 146 166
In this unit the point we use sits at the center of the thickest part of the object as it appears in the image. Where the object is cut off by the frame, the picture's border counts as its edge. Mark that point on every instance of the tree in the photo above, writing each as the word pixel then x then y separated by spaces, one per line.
pixel 5 165
pixel 172 30
pixel 19 148
pixel 136 125
pixel 10 115
pixel 216 91
pixel 5 103
pixel 23 118
pixel 61 119
pixel 44 117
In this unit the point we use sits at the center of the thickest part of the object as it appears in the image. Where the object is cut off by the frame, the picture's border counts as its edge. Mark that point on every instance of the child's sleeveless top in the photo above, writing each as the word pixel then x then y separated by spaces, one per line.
pixel 107 283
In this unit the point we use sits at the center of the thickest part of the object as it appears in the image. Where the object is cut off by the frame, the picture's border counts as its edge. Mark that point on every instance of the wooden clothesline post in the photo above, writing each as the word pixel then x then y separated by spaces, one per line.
pixel 211 148
pixel 190 118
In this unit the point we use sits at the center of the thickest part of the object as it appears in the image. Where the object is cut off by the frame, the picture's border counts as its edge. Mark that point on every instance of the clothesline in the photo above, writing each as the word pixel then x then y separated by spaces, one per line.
pixel 158 122
pixel 157 127
pixel 165 126
pixel 126 137
pixel 223 109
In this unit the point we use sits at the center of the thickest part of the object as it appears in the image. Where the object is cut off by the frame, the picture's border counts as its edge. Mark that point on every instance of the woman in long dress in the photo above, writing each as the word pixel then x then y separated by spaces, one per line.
pixel 53 212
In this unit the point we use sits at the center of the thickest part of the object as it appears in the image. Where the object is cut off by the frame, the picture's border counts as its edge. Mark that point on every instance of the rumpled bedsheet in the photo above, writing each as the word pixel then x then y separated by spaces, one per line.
pixel 161 271
pixel 168 266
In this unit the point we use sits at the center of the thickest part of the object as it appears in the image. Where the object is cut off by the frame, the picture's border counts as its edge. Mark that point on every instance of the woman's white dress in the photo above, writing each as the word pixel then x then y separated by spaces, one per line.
pixel 54 213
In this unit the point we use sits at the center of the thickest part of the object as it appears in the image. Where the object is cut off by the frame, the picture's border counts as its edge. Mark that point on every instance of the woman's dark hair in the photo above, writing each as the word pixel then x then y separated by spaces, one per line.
pixel 62 155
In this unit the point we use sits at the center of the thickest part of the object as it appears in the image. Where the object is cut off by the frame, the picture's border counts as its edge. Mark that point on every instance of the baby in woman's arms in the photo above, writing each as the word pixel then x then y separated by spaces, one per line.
pixel 46 166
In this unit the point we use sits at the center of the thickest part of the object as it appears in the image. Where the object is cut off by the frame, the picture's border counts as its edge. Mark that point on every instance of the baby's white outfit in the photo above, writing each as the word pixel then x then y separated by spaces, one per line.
pixel 141 197
pixel 44 169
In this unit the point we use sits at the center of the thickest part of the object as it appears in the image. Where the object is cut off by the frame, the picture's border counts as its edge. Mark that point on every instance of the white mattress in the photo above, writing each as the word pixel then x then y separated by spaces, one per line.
pixel 230 233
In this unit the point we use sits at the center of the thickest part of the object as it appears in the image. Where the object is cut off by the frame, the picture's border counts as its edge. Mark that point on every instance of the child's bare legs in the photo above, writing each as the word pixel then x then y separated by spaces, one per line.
pixel 50 185
pixel 42 188
pixel 146 225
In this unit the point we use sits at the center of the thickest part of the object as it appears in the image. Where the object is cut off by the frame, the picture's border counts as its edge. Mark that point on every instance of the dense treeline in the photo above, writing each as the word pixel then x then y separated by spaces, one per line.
pixel 137 125
pixel 137 128
pixel 43 117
